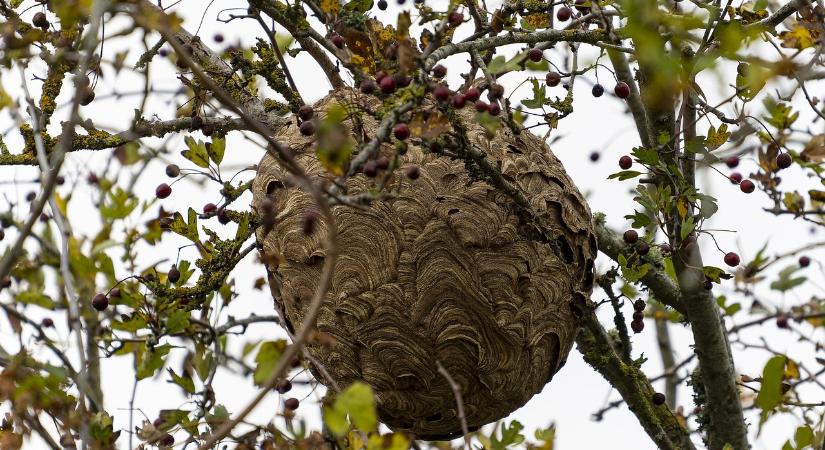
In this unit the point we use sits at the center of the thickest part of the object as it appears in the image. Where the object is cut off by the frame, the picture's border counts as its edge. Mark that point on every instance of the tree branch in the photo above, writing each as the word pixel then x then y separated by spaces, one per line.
pixel 658 421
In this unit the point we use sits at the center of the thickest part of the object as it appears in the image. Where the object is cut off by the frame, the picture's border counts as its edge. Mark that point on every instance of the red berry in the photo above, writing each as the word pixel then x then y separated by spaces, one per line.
pixel 459 100
pixel 387 85
pixel 472 94
pixel 47 322
pixel 622 90
pixel 380 75
pixel 564 13
pixel 439 71
pixel 804 261
pixel 784 160
pixel 630 236
pixel 496 91
pixel 209 208
pixel 625 162
pixel 637 326
pixel 307 128
pixel 732 161
pixel 552 79
pixel 100 302
pixel 163 190
pixel 782 321
pixel 747 186
pixel 455 18
pixel 291 404
pixel 639 305
pixel 337 40
pixel 40 20
pixel 441 93
pixel 401 131
pixel 735 178
pixel 535 54
pixel 481 105
pixel 732 259
pixel 494 109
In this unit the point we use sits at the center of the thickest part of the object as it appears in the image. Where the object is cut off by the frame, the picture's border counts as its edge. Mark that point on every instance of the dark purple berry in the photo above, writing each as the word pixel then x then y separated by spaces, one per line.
pixel 732 161
pixel 630 236
pixel 564 13
pixel 552 79
pixel 163 190
pixel 747 186
pixel 401 131
pixel 658 399
pixel 172 170
pixel 100 302
pixel 784 160
pixel 804 261
pixel 625 162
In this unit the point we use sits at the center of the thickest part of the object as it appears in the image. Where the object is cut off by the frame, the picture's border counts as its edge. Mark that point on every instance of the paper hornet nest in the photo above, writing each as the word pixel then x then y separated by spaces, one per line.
pixel 447 270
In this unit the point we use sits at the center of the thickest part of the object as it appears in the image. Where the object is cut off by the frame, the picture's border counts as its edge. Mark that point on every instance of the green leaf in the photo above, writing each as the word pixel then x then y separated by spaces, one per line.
pixel 707 206
pixel 804 437
pixel 499 64
pixel 487 121
pixel 539 96
pixel 185 382
pixel 786 280
pixel 688 225
pixel 716 137
pixel 336 420
pixel 150 360
pixel 216 149
pixel 118 205
pixel 625 175
pixel 267 358
pixel 646 156
pixel 716 274
pixel 35 298
pixel 196 153
pixel 360 6
pixel 177 321
pixel 770 393
pixel 357 402
pixel 640 220
pixel 357 399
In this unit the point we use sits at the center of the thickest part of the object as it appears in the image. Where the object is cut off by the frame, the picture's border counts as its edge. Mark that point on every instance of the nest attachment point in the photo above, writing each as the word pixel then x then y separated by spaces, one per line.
pixel 447 270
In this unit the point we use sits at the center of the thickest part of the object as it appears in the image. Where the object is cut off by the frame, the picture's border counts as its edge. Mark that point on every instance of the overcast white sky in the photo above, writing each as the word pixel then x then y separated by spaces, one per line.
pixel 597 125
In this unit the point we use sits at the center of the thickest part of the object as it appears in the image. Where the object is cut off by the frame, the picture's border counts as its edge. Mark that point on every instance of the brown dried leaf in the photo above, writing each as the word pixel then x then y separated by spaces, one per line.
pixel 814 149
pixel 407 55
pixel 428 125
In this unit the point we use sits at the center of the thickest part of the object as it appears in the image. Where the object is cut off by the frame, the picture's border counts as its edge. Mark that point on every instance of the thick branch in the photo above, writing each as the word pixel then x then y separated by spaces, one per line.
pixel 658 421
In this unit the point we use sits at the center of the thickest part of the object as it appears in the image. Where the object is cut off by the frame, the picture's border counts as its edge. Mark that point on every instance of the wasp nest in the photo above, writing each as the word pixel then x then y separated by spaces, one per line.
pixel 446 270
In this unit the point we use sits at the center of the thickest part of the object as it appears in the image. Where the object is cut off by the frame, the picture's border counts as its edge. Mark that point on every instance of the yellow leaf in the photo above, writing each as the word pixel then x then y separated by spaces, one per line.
pixel 331 6
pixel 799 38
pixel 62 203
pixel 791 369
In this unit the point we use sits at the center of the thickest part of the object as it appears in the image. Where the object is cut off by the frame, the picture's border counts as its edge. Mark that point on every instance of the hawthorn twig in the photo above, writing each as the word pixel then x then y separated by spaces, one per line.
pixel 459 402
